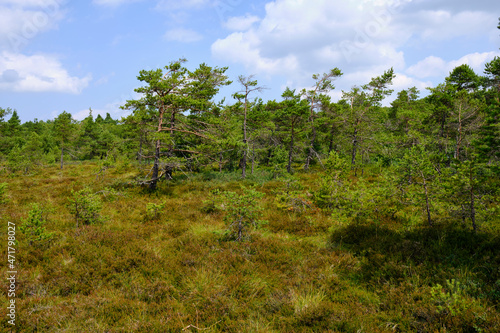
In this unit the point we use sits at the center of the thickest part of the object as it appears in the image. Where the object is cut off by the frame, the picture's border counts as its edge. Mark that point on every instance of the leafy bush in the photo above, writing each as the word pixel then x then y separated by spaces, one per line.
pixel 211 204
pixel 451 299
pixel 242 211
pixel 332 187
pixel 292 197
pixel 153 210
pixel 86 207
pixel 278 161
pixel 33 227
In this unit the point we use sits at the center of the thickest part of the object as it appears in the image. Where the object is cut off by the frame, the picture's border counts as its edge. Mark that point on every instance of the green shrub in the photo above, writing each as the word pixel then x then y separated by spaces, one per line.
pixel 292 197
pixel 332 187
pixel 86 207
pixel 33 227
pixel 211 204
pixel 242 211
pixel 153 211
pixel 451 299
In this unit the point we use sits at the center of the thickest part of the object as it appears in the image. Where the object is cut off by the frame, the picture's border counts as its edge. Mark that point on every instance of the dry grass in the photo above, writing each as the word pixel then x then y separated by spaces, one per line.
pixel 301 272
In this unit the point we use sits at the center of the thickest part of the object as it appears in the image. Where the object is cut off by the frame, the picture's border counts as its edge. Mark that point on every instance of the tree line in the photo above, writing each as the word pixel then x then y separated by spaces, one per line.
pixel 177 124
pixel 452 133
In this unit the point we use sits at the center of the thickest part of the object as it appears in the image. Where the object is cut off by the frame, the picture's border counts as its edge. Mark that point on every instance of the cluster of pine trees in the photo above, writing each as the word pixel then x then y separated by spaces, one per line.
pixel 448 139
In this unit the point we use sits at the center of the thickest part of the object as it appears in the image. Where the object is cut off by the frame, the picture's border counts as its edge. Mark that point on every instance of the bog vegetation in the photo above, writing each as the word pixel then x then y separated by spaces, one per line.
pixel 301 214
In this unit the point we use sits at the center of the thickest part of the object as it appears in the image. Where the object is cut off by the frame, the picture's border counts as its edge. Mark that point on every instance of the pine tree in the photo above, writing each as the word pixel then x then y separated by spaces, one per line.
pixel 171 92
pixel 248 86
pixel 364 103
pixel 323 85
pixel 64 131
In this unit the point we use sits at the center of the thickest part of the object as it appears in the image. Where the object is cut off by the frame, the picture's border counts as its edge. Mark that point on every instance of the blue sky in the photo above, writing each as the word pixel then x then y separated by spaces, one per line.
pixel 58 55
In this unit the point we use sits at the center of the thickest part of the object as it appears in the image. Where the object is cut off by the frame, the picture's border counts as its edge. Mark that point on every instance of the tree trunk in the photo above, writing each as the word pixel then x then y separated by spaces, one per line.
pixel 472 209
pixel 290 151
pixel 244 164
pixel 354 147
pixel 332 132
pixel 62 156
pixel 156 166
pixel 459 134
pixel 253 157
pixel 310 154
pixel 220 162
pixel 427 203
pixel 140 152
pixel 244 159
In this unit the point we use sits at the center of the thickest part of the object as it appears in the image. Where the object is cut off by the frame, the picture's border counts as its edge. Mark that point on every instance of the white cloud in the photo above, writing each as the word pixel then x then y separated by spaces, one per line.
pixel 442 25
pixel 37 73
pixel 304 37
pixel 429 67
pixel 243 48
pixel 21 21
pixel 183 35
pixel 436 67
pixel 363 38
pixel 241 23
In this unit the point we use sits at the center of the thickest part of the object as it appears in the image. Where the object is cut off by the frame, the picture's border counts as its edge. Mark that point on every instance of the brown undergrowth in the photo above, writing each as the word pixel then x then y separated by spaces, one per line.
pixel 301 271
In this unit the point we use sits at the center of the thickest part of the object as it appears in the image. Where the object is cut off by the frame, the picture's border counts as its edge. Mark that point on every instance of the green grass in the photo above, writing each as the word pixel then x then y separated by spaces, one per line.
pixel 300 272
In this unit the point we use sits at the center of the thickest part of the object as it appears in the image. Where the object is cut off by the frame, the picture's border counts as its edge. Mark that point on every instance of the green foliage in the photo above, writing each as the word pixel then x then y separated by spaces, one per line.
pixel 26 158
pixel 451 299
pixel 241 211
pixel 86 207
pixel 185 99
pixel 278 161
pixel 291 197
pixel 332 187
pixel 16 161
pixel 3 193
pixel 463 77
pixel 154 211
pixel 211 204
pixel 416 173
pixel 492 71
pixel 34 226
pixel 470 195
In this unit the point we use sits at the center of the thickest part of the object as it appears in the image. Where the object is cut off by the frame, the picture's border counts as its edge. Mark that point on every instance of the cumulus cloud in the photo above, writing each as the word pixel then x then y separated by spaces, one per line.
pixel 304 37
pixel 182 35
pixel 295 38
pixel 241 23
pixel 442 25
pixel 37 73
pixel 243 48
pixel 21 21
pixel 437 67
